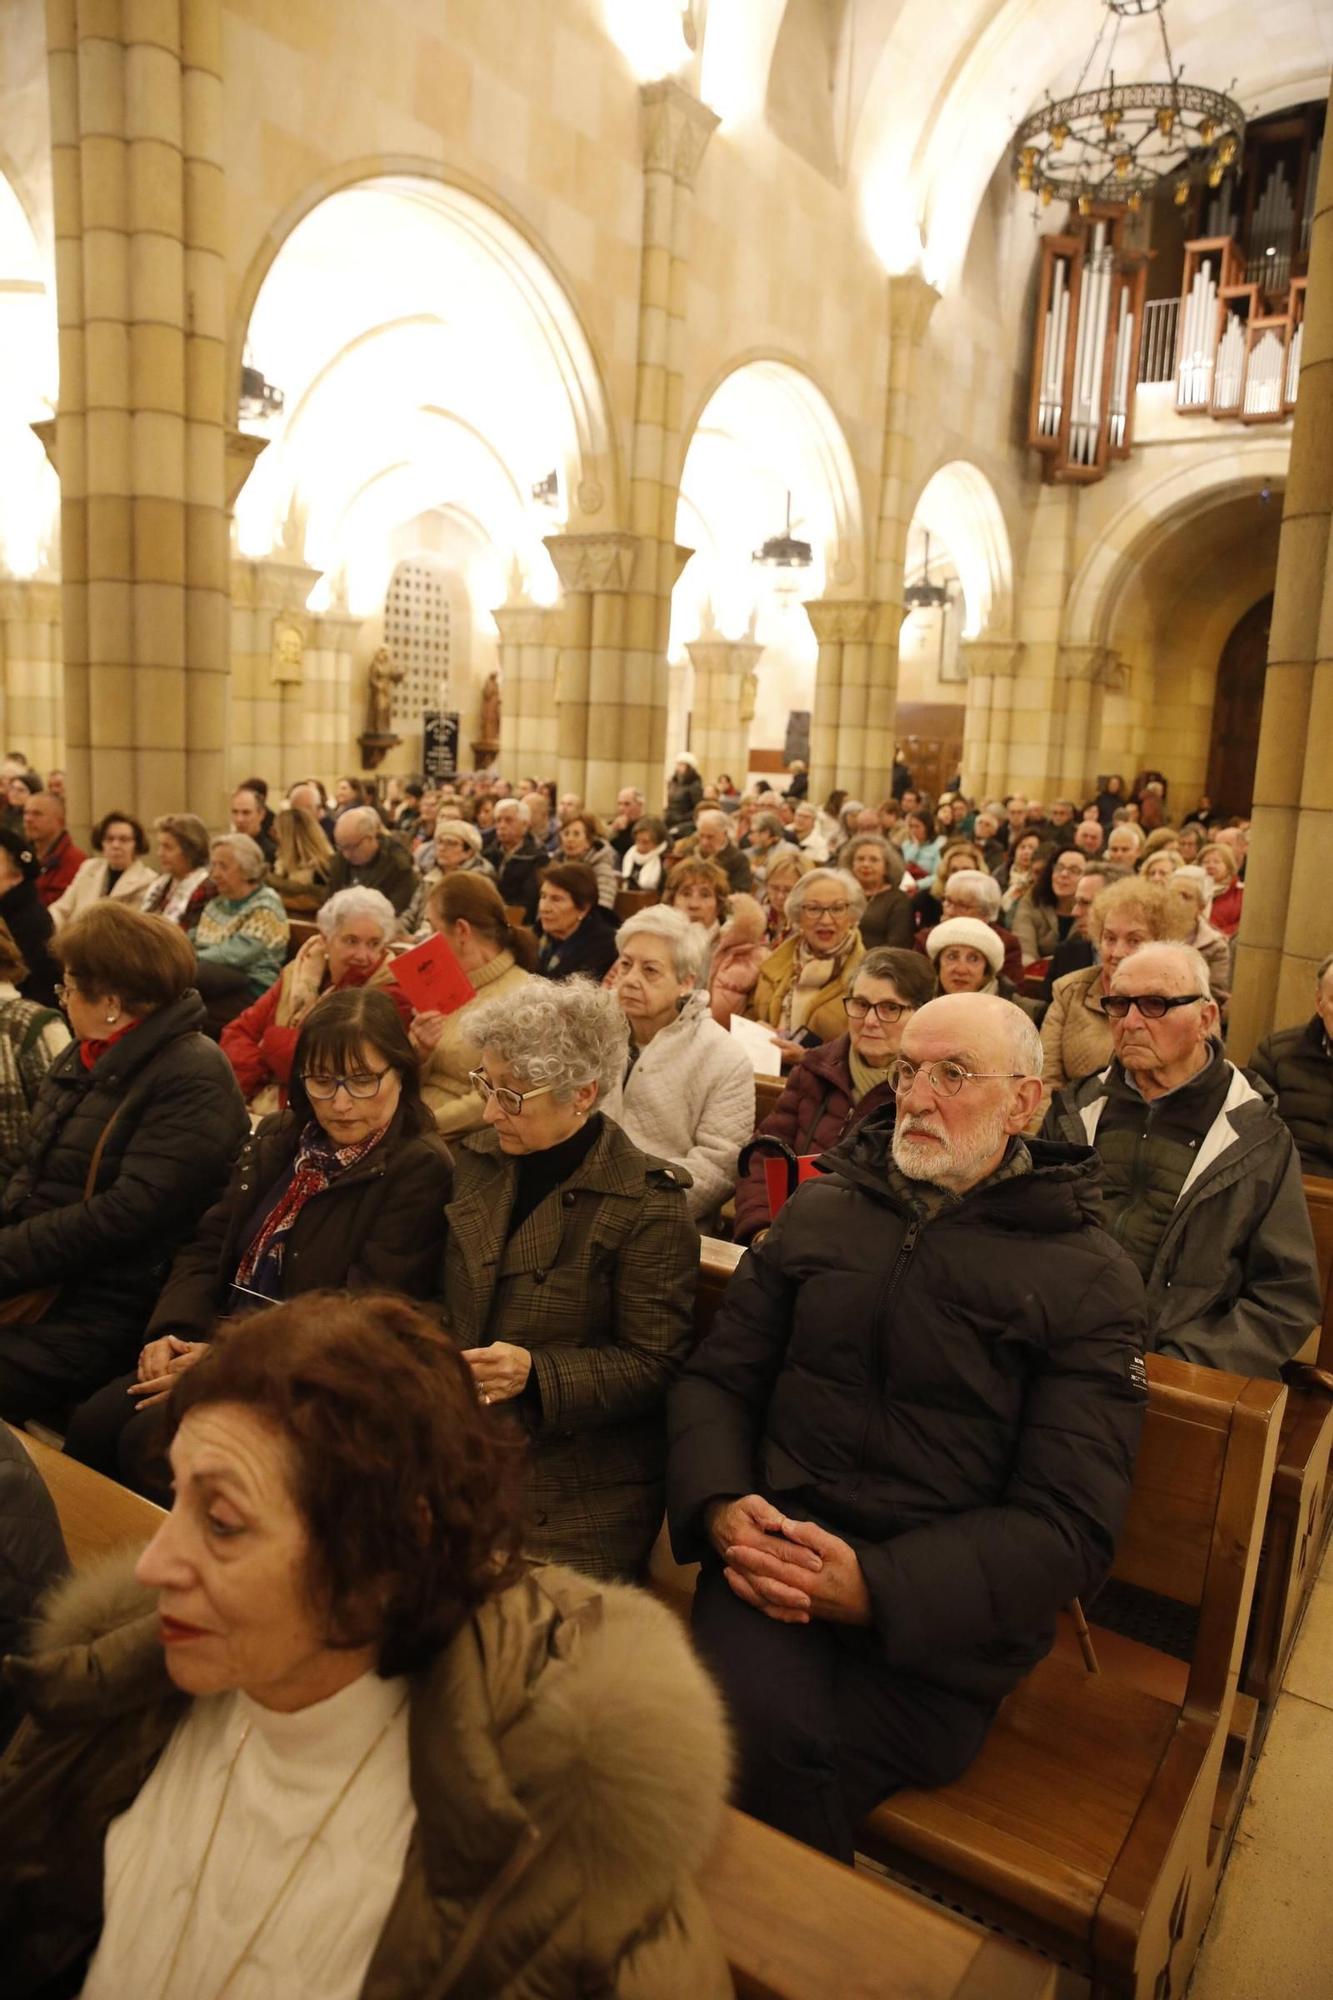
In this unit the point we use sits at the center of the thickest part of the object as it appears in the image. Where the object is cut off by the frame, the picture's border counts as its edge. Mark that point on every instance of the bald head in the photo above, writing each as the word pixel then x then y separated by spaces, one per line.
pixel 43 820
pixel 953 1136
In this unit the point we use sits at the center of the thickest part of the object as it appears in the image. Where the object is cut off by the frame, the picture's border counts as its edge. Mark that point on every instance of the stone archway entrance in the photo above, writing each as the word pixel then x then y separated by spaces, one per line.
pixel 1234 744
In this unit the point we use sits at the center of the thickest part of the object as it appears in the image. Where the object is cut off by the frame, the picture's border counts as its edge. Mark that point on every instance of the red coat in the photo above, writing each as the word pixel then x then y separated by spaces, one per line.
pixel 58 870
pixel 260 1052
pixel 812 1114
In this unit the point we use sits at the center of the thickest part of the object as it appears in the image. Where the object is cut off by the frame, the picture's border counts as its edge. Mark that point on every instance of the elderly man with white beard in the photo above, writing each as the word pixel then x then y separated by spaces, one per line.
pixel 908 1437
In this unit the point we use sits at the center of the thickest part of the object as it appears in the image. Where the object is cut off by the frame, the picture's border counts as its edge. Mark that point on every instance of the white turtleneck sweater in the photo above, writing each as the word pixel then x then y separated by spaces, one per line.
pixel 318 1942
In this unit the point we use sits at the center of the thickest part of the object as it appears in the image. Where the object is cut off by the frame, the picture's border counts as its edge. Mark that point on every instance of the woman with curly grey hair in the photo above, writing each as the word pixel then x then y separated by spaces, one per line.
pixel 569 1272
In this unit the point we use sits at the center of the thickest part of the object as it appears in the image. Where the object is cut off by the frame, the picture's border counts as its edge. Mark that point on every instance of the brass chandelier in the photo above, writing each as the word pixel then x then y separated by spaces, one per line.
pixel 1120 142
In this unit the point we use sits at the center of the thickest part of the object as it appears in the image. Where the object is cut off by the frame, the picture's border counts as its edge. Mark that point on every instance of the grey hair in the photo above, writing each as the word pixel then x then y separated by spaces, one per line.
pixel 1202 880
pixel 770 822
pixel 894 865
pixel 974 882
pixel 1183 954
pixel 558 1033
pixel 1025 1043
pixel 520 806
pixel 364 817
pixel 351 904
pixel 839 877
pixel 715 813
pixel 248 854
pixel 688 941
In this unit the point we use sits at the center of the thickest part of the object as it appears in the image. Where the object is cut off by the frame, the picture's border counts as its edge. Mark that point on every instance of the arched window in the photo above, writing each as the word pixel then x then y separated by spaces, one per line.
pixel 417 631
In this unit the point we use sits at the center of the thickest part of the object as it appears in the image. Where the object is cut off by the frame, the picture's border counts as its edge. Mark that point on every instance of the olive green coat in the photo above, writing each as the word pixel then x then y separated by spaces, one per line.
pixel 598 1283
pixel 568 1765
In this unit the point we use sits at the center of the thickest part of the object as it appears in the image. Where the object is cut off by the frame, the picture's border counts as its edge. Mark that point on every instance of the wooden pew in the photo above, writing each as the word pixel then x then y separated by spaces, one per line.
pixel 767 1091
pixel 1092 1824
pixel 1319 1201
pixel 302 930
pixel 794 1925
pixel 629 902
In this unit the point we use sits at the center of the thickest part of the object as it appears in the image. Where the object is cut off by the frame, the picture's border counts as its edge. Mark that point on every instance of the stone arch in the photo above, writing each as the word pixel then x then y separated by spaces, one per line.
pixel 960 508
pixel 30 498
pixel 1188 491
pixel 522 269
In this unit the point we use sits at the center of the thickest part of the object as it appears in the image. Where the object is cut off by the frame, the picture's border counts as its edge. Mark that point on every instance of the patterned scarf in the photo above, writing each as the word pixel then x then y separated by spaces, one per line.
pixel 317 1163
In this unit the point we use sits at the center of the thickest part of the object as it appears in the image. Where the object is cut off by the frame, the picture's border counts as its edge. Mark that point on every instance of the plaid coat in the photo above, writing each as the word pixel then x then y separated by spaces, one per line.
pixel 598 1283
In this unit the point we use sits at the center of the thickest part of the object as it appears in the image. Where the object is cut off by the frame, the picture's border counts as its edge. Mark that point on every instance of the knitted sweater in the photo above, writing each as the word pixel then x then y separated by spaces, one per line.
pixel 690 1099
pixel 248 933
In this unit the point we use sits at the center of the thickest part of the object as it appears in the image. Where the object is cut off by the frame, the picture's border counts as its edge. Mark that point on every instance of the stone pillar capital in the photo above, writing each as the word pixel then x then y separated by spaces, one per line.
pixel 1000 658
pixel 521 624
pixel 676 129
pixel 45 430
pixel 842 618
pixel 242 452
pixel 1097 665
pixel 912 300
pixel 592 562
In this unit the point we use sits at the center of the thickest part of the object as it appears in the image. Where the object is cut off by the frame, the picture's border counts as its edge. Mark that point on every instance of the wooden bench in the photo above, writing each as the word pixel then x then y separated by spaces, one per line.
pixel 629 902
pixel 794 1925
pixel 301 932
pixel 1093 1822
pixel 767 1091
pixel 1319 1201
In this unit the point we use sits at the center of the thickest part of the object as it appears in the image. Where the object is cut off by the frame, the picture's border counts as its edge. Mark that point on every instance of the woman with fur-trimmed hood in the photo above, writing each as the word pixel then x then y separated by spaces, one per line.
pixel 334 1735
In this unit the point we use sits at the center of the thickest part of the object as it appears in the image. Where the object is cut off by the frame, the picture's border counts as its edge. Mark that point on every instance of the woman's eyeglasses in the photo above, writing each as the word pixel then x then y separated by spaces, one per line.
pixel 322 1089
pixel 1152 1006
pixel 510 1101
pixel 887 1011
pixel 825 909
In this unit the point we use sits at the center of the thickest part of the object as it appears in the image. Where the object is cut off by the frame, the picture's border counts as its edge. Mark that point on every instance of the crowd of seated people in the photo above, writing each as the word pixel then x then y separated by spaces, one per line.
pixel 1000 1034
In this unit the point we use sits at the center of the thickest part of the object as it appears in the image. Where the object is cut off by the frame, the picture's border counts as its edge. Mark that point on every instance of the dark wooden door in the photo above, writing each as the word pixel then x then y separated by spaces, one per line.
pixel 930 736
pixel 1237 706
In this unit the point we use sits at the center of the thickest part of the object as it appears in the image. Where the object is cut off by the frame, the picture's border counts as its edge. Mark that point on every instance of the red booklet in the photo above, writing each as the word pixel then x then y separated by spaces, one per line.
pixel 432 978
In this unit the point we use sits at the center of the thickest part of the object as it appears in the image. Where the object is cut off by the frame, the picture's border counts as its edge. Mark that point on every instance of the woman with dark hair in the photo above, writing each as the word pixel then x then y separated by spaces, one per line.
pixel 498 958
pixel 574 933
pixel 345 1188
pixel 133 1134
pixel 117 870
pixel 344 1740
pixel 185 885
pixel 19 789
pixel 27 917
pixel 1044 917
pixel 583 838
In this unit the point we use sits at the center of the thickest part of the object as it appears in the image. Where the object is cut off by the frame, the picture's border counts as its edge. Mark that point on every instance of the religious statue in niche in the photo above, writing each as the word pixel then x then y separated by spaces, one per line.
pixel 288 649
pixel 490 709
pixel 383 677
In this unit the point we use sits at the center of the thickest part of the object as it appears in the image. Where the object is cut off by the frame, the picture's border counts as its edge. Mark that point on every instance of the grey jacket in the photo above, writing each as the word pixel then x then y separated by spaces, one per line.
pixel 1234 1283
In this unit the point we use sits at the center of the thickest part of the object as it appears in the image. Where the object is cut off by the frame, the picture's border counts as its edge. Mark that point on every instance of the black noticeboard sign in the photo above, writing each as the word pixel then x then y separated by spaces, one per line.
pixel 440 746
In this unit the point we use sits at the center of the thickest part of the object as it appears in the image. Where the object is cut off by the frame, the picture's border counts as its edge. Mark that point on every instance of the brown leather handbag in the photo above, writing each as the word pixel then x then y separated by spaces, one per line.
pixel 27 1308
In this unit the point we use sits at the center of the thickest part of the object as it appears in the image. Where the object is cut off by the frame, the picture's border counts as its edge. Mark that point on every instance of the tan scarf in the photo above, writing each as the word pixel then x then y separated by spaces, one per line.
pixel 864 1078
pixel 811 976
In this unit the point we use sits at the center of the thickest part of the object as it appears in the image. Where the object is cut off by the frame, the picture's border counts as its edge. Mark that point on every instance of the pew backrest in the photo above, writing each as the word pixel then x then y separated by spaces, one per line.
pixel 95 1514
pixel 1319 1201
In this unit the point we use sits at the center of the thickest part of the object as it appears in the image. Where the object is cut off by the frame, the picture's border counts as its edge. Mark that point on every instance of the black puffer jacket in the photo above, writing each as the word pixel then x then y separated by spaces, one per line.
pixel 960 1398
pixel 1297 1066
pixel 181 1124
pixel 378 1227
pixel 32 1556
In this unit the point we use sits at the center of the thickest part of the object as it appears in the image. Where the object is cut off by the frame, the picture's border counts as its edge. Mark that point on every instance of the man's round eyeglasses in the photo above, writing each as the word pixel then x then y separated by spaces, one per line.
pixel 511 1101
pixel 887 1011
pixel 946 1079
pixel 1152 1006
pixel 321 1089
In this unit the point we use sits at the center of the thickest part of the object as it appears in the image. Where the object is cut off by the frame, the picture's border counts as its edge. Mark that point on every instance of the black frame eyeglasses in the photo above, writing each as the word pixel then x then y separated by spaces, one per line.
pixel 887 1012
pixel 1152 1006
pixel 323 1089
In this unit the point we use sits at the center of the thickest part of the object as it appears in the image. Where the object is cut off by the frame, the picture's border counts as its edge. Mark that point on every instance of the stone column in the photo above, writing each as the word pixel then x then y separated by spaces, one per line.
pixel 528 639
pixel 32 701
pixel 590 721
pixel 853 647
pixel 1284 929
pixel 1036 731
pixel 868 720
pixel 136 151
pixel 1083 675
pixel 676 129
pixel 271 636
pixel 991 666
pixel 724 695
pixel 329 747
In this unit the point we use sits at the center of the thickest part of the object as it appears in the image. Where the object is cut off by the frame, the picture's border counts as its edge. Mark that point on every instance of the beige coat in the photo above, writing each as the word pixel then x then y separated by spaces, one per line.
pixel 827 1017
pixel 1075 1034
pixel 456 1106
pixel 88 887
pixel 567 1759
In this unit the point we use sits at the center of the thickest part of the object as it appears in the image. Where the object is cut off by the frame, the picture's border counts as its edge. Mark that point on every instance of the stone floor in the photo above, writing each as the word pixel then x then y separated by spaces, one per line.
pixel 1271 1930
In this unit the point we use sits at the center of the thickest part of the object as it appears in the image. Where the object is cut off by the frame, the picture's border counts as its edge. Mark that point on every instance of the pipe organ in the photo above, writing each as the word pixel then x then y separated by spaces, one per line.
pixel 1234 358
pixel 1089 315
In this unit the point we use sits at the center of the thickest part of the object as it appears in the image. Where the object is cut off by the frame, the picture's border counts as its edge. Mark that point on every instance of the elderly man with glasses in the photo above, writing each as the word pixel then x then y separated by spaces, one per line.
pixel 909 1435
pixel 369 858
pixel 1201 1179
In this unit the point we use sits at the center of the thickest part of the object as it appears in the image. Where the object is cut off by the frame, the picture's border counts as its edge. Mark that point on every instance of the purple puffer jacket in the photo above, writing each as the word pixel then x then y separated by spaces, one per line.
pixel 812 1114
